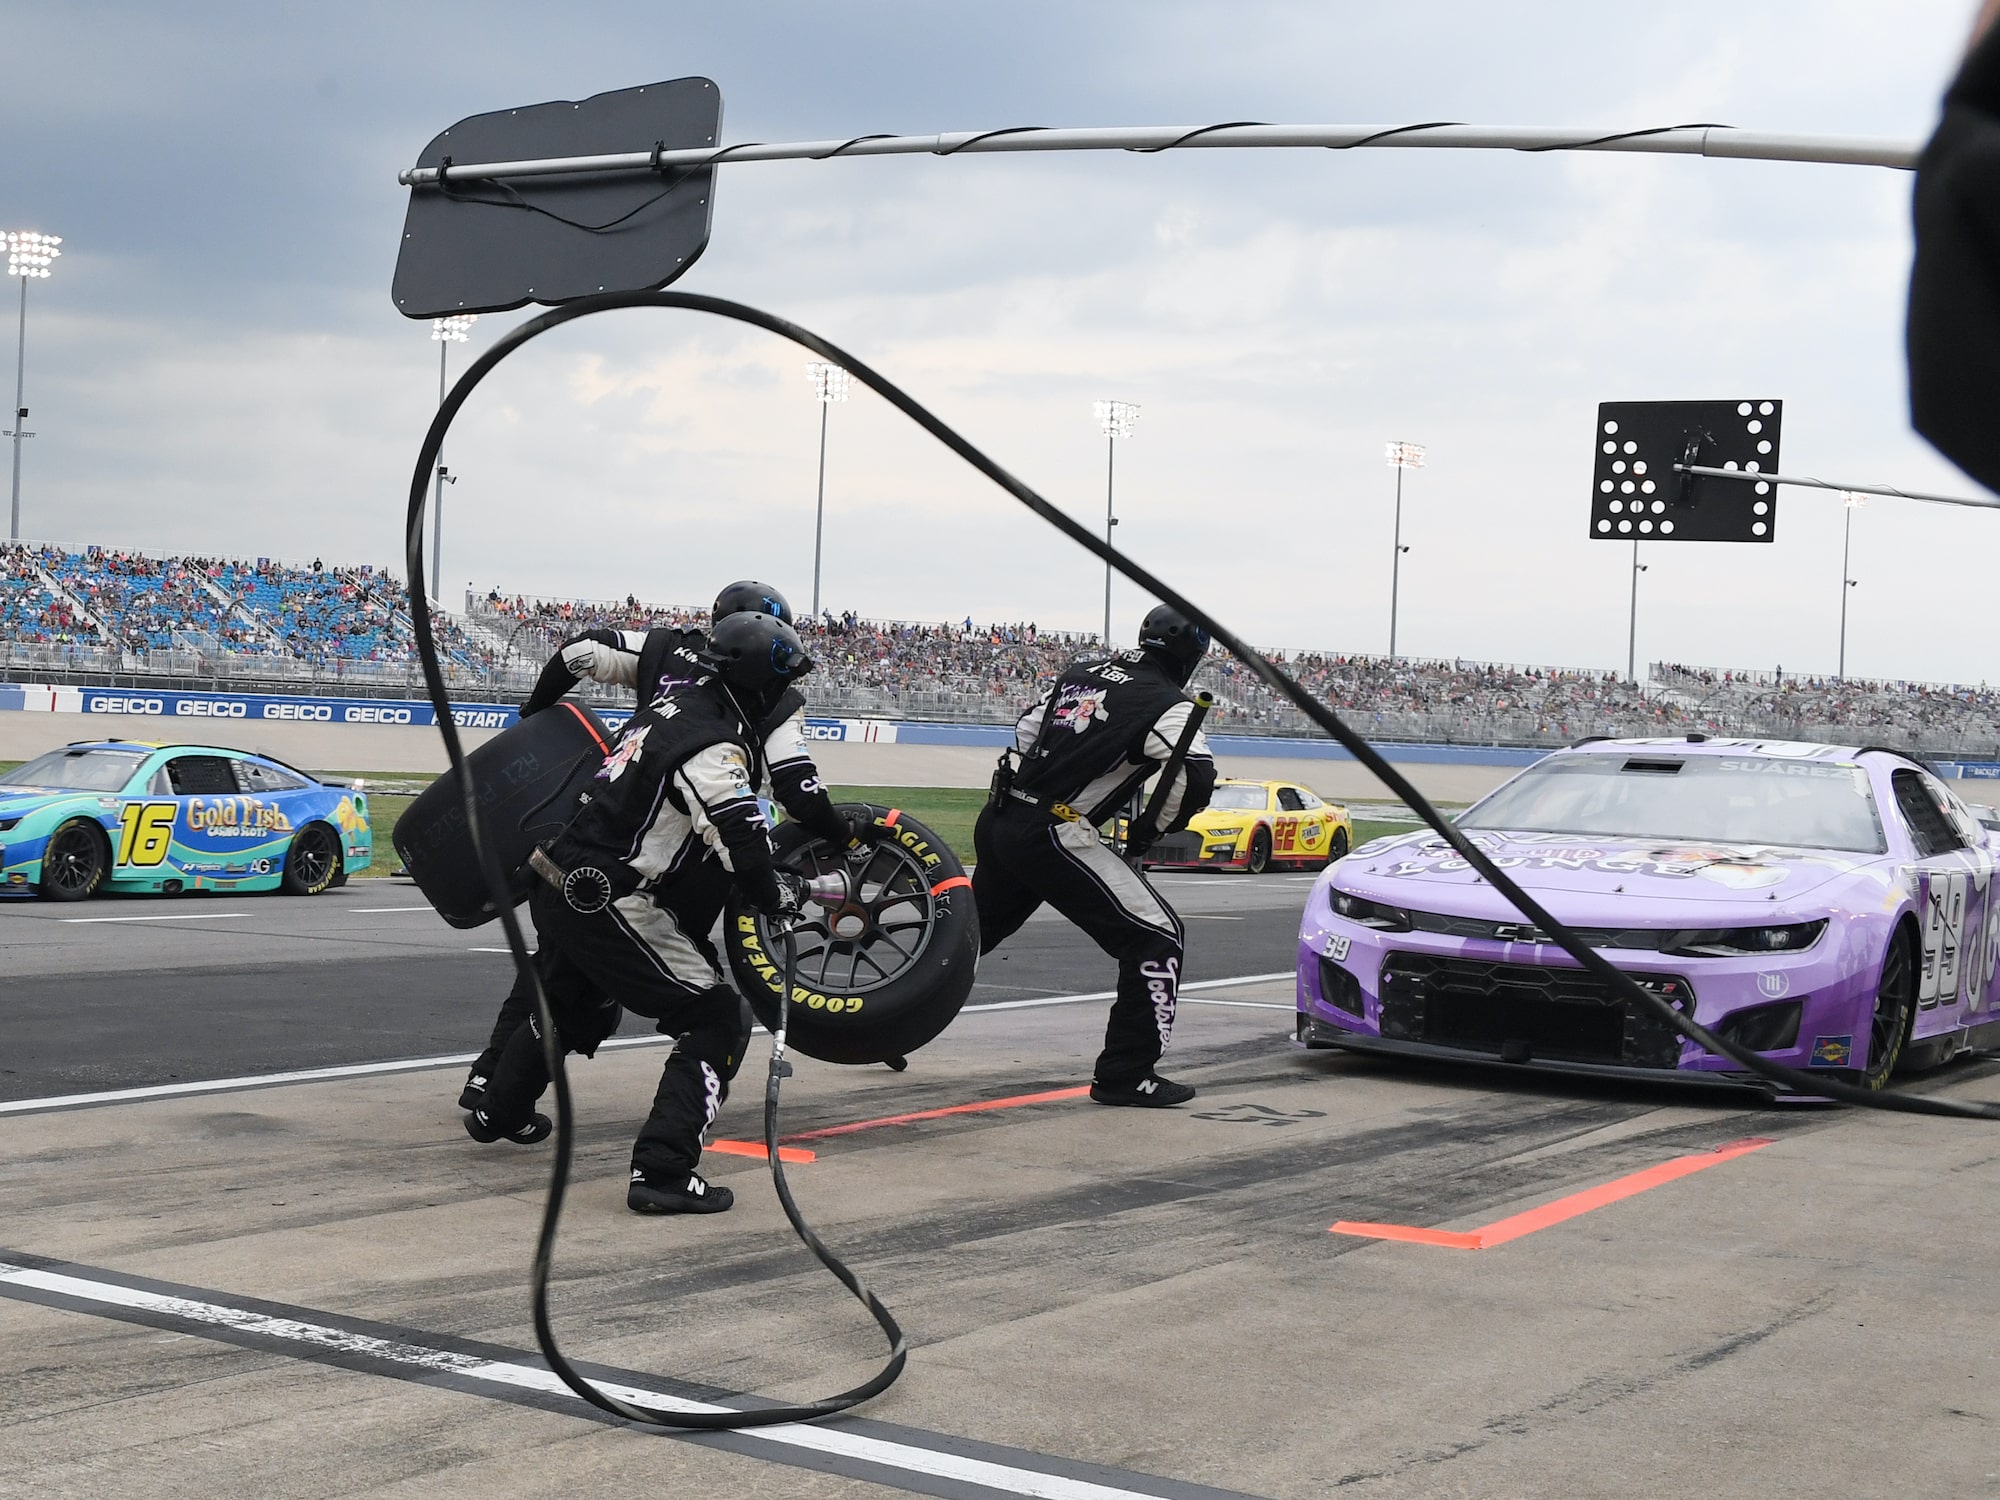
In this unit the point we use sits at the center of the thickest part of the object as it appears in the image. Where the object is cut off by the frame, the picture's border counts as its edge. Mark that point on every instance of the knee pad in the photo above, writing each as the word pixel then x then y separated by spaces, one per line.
pixel 720 1033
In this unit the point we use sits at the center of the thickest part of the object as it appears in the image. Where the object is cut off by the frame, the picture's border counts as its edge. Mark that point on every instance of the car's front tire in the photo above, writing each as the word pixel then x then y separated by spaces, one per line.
pixel 312 862
pixel 1895 1005
pixel 1260 851
pixel 76 861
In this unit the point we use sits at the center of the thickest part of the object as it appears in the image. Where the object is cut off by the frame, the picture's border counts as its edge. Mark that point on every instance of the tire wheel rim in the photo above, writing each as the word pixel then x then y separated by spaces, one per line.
pixel 871 933
pixel 1260 855
pixel 70 862
pixel 1890 1019
pixel 314 861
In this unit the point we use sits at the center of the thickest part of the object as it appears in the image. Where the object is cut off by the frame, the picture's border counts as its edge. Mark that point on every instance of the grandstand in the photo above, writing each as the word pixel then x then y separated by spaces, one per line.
pixel 99 615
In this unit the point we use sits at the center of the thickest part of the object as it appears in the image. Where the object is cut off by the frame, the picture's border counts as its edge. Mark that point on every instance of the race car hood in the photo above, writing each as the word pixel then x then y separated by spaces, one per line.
pixel 1596 880
pixel 17 801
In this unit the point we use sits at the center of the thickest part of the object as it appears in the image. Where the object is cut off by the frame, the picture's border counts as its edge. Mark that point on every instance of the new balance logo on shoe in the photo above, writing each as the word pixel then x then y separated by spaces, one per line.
pixel 1147 1085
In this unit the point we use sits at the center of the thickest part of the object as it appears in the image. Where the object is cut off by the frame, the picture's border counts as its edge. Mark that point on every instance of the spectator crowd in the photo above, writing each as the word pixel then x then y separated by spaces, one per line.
pixel 354 621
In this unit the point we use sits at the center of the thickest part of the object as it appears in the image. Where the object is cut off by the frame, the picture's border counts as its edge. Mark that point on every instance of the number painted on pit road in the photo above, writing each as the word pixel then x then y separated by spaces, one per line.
pixel 1247 1113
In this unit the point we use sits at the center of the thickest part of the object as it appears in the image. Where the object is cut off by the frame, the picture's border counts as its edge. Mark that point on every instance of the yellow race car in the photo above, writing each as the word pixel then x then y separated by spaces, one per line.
pixel 1256 826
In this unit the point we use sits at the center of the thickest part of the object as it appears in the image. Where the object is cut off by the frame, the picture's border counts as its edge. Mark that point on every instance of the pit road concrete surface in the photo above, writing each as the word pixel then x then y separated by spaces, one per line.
pixel 317 1288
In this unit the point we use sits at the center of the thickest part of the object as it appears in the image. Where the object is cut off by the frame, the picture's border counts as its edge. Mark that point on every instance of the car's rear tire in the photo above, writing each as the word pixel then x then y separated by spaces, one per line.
pixel 75 862
pixel 312 861
pixel 1339 849
pixel 1895 1009
pixel 1260 852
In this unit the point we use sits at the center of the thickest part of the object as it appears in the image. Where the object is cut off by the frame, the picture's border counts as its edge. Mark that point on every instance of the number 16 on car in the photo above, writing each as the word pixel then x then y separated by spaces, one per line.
pixel 146 833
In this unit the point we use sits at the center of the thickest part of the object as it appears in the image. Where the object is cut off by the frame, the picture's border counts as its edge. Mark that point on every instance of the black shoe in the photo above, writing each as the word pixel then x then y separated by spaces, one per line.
pixel 1150 1092
pixel 474 1093
pixel 535 1128
pixel 695 1196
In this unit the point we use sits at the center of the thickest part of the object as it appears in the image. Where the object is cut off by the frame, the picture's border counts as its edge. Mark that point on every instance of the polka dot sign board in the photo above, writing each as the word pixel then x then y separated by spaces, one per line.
pixel 1637 495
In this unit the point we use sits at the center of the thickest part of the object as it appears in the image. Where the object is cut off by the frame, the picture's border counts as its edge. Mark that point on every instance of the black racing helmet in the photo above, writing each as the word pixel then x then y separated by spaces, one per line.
pixel 1171 633
pixel 756 653
pixel 747 596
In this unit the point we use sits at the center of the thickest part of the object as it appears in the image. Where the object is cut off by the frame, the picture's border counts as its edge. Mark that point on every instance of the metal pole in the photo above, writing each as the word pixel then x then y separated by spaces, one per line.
pixel 20 376
pixel 1110 463
pixel 1685 140
pixel 437 504
pixel 1396 564
pixel 1977 502
pixel 1632 632
pixel 819 513
pixel 1846 583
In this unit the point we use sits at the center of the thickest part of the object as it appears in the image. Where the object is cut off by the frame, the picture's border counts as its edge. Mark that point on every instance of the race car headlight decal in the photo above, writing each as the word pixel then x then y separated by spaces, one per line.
pixel 7 824
pixel 1739 942
pixel 1370 913
pixel 1230 834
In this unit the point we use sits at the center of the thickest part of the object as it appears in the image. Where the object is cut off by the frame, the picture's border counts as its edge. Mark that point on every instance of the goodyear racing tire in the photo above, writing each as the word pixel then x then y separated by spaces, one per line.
pixel 75 862
pixel 1894 1011
pixel 1260 851
pixel 1338 849
pixel 312 861
pixel 887 946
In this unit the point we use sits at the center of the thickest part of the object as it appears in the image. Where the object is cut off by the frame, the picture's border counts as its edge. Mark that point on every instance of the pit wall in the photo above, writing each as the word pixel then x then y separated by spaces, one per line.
pixel 400 735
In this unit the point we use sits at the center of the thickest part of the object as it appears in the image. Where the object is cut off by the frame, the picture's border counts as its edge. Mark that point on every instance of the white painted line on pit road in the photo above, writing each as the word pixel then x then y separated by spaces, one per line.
pixel 205 916
pixel 320 1337
pixel 1205 984
pixel 370 911
pixel 461 1059
pixel 273 1080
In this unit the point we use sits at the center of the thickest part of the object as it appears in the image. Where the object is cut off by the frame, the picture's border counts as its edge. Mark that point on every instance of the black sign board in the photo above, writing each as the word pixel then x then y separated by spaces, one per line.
pixel 490 245
pixel 1636 493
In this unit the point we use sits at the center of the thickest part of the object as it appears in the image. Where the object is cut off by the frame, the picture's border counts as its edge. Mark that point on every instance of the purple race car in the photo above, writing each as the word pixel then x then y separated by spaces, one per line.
pixel 1830 908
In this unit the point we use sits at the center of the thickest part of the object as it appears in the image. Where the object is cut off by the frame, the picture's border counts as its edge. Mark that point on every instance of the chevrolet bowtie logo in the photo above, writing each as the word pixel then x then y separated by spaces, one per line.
pixel 1513 933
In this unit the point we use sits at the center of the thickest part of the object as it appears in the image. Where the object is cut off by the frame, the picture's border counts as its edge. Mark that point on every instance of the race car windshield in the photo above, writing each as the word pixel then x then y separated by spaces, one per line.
pixel 1709 798
pixel 1237 796
pixel 77 770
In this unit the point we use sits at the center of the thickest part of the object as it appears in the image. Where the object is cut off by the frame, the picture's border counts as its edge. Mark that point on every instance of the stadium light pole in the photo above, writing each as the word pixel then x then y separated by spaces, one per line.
pixel 829 385
pixel 28 257
pixel 445 332
pixel 1401 456
pixel 1632 630
pixel 1115 419
pixel 1854 503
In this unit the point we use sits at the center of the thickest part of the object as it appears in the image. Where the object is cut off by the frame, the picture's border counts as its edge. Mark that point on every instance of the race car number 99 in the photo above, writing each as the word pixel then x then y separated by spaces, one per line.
pixel 148 832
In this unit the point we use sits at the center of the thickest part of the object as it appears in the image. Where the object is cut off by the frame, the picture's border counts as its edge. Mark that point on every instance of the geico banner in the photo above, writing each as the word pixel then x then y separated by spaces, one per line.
pixel 870 731
pixel 247 707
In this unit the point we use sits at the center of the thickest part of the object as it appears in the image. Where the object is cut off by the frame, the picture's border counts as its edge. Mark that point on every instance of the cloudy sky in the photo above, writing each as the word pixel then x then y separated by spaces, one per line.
pixel 217 367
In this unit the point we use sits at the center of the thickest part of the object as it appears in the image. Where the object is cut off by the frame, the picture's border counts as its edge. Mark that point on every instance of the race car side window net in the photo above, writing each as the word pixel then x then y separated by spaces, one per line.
pixel 1616 981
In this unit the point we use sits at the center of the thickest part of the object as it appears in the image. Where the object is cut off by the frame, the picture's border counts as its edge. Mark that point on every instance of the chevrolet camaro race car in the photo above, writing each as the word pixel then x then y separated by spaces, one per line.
pixel 1256 826
pixel 1830 908
pixel 117 816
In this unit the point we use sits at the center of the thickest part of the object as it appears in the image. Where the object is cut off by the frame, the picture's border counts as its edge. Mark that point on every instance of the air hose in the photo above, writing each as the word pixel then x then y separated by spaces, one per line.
pixel 1615 980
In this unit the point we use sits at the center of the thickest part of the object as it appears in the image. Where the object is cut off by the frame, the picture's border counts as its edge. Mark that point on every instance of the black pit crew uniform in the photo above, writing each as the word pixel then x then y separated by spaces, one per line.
pixel 1086 745
pixel 631 889
pixel 616 657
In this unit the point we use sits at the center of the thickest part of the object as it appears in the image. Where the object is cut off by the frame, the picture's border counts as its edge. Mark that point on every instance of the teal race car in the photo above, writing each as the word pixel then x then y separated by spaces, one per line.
pixel 114 815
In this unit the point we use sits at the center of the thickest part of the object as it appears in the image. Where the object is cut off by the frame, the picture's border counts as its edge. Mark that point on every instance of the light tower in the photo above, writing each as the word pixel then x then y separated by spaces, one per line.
pixel 1401 456
pixel 29 256
pixel 829 383
pixel 445 332
pixel 1854 503
pixel 1115 419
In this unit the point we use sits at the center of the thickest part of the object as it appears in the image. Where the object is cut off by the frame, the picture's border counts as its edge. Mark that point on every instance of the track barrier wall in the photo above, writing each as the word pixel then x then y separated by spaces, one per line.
pixel 244 708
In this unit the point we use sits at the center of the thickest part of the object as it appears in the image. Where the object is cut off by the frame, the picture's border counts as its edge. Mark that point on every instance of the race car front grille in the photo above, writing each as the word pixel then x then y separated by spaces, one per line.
pixel 1176 849
pixel 1523 1012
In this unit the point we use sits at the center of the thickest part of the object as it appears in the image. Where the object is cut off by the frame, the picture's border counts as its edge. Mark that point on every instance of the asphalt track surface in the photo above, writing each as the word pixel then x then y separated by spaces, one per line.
pixel 318 1288
pixel 140 991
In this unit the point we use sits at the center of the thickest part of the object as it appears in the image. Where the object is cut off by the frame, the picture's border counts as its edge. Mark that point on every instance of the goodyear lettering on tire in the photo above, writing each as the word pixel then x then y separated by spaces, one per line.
pixel 768 971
